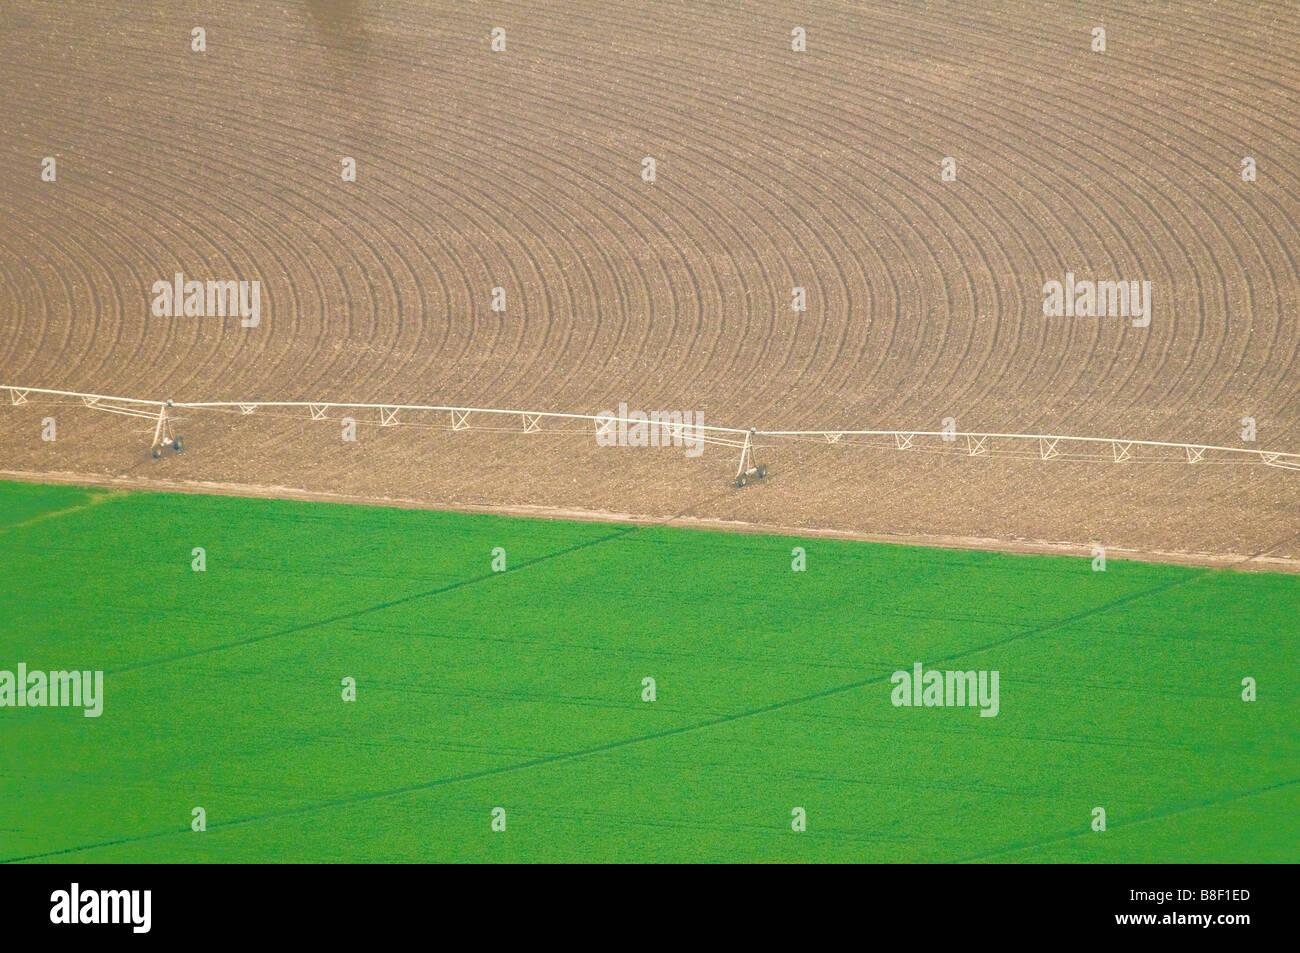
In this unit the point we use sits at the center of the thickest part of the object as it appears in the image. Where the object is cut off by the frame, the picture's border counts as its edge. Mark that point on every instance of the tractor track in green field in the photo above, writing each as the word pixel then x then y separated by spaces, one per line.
pixel 97 499
pixel 1142 819
pixel 609 746
pixel 622 533
pixel 368 610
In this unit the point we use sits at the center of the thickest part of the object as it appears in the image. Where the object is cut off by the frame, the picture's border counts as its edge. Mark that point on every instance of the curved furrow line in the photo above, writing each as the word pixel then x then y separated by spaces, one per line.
pixel 721 114
pixel 45 327
pixel 69 268
pixel 143 341
pixel 927 161
pixel 290 133
pixel 44 319
pixel 144 364
pixel 753 253
pixel 797 210
pixel 708 228
pixel 957 197
pixel 1047 381
pixel 1195 391
pixel 293 141
pixel 688 97
pixel 988 267
pixel 63 263
pixel 550 311
pixel 11 291
pixel 486 212
pixel 267 346
pixel 1229 123
pixel 979 245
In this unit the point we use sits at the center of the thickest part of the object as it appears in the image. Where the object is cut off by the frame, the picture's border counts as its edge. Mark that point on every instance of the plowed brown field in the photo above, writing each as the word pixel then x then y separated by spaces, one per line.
pixel 521 169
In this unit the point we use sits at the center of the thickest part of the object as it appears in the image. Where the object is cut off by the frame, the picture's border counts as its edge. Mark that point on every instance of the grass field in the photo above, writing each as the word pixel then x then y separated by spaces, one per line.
pixel 522 689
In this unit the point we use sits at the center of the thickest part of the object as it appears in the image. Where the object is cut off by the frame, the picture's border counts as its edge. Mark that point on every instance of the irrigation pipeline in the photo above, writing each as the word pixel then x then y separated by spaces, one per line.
pixel 968 443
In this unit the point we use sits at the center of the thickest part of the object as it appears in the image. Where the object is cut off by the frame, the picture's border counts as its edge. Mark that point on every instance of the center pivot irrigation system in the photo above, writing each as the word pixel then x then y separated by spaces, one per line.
pixel 672 428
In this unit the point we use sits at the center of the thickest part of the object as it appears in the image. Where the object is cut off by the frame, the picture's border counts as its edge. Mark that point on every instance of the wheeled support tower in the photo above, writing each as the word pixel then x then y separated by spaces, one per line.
pixel 163 436
pixel 748 469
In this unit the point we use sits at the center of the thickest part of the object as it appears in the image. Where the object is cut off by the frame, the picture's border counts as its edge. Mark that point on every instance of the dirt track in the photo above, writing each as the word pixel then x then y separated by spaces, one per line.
pixel 775 169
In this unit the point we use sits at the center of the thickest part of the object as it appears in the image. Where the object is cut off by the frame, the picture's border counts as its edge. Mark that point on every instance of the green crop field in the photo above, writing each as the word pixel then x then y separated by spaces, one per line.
pixel 523 689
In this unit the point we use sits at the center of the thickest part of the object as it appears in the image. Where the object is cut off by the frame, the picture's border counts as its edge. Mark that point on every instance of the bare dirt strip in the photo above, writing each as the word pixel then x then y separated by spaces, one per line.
pixel 1262 561
pixel 776 169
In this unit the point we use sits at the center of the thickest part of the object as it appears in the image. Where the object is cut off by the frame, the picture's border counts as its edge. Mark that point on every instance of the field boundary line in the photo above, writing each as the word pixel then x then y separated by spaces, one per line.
pixel 1246 562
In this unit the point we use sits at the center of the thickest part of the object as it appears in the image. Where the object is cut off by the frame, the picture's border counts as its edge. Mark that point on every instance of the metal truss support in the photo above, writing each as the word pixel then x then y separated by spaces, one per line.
pixel 749 470
pixel 746 455
pixel 161 427
pixel 163 436
pixel 977 444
